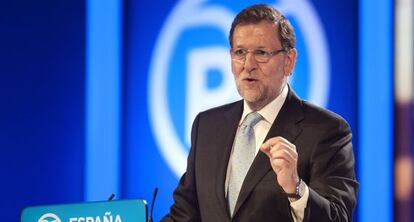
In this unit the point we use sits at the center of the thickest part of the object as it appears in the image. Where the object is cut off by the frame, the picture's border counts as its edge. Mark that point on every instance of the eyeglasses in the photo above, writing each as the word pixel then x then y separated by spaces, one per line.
pixel 260 55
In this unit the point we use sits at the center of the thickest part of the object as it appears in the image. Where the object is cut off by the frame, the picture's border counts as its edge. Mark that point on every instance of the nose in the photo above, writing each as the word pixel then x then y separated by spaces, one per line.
pixel 250 64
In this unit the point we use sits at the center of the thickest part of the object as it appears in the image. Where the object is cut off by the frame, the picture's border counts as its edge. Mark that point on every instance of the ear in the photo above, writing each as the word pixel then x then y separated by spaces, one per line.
pixel 290 61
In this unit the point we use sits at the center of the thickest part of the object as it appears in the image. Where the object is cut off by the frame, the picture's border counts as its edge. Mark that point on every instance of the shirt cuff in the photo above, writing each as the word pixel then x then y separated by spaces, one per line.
pixel 298 206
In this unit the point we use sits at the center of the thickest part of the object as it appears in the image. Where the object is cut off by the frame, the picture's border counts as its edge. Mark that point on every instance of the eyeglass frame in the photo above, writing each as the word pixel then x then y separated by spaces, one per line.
pixel 255 53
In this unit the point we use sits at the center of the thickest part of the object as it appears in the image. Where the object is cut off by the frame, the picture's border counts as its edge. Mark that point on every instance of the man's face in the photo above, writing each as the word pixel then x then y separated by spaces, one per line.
pixel 260 82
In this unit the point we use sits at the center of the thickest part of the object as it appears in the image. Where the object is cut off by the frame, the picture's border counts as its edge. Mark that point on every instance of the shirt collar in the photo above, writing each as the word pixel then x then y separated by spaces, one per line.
pixel 271 110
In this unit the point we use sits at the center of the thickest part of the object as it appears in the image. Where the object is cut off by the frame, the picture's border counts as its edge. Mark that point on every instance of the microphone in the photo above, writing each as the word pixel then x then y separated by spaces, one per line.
pixel 111 196
pixel 152 204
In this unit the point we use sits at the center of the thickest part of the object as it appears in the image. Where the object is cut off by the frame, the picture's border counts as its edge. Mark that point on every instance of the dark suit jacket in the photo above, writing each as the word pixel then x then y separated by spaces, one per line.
pixel 326 164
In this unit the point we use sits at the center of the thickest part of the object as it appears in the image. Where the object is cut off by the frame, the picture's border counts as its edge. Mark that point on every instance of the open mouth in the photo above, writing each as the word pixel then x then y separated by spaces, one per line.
pixel 250 79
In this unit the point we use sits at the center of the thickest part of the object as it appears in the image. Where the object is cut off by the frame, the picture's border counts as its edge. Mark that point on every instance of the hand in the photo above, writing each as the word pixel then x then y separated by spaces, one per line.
pixel 283 158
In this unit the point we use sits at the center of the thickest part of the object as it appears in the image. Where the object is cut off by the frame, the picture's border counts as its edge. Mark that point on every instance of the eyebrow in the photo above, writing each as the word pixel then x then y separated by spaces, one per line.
pixel 260 47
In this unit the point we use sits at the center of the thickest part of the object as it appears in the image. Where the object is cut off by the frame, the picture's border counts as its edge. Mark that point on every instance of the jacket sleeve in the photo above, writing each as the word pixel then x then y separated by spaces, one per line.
pixel 185 207
pixel 332 187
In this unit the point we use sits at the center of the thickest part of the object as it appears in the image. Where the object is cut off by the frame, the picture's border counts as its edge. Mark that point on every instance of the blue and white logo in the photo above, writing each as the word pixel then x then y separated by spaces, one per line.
pixel 49 217
pixel 191 71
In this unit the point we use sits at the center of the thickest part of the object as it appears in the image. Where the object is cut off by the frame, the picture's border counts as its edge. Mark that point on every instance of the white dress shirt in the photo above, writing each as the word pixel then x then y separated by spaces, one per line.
pixel 269 114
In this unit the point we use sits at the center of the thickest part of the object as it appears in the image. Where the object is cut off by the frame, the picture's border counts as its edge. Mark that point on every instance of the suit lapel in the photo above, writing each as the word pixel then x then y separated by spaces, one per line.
pixel 285 125
pixel 225 143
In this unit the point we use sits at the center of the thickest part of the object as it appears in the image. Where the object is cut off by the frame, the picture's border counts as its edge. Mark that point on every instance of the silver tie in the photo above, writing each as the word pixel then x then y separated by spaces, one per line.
pixel 243 154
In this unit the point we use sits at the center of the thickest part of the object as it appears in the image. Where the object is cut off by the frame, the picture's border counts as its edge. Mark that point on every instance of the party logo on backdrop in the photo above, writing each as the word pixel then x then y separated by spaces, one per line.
pixel 49 217
pixel 190 68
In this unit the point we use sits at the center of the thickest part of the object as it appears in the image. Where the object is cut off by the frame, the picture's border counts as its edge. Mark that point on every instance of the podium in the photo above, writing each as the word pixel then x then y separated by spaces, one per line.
pixel 134 210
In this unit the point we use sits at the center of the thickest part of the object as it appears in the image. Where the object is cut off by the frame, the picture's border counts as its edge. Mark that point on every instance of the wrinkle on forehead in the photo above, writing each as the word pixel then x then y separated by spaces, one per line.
pixel 260 35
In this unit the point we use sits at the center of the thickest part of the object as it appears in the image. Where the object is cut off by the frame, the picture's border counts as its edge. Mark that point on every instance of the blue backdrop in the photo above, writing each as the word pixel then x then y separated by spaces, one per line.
pixel 42 75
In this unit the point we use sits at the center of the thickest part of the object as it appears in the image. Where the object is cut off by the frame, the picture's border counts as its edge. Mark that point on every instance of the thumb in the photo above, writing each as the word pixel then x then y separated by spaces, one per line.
pixel 265 149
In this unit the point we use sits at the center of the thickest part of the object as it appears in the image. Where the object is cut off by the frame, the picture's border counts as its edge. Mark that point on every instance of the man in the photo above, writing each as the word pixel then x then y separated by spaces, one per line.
pixel 304 169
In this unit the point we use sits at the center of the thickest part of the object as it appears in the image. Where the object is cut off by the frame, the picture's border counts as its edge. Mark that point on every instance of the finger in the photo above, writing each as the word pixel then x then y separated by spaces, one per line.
pixel 272 141
pixel 282 146
pixel 276 140
pixel 270 150
pixel 269 145
pixel 283 154
pixel 266 150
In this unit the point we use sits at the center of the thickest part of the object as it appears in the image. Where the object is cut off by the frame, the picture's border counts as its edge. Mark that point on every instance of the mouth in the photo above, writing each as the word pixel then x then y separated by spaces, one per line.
pixel 250 80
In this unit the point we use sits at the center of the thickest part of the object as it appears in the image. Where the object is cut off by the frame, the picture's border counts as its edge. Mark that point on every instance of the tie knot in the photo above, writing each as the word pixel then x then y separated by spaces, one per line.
pixel 252 119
